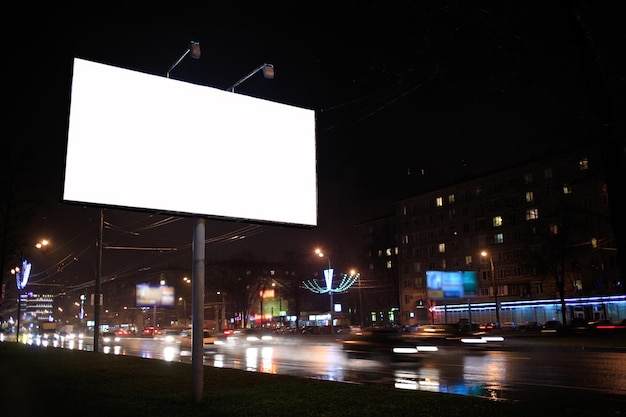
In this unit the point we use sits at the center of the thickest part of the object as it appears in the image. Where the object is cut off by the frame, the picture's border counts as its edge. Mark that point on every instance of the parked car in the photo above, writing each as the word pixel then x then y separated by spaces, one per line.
pixel 385 344
pixel 508 326
pixel 552 326
pixel 490 326
pixel 577 325
pixel 530 326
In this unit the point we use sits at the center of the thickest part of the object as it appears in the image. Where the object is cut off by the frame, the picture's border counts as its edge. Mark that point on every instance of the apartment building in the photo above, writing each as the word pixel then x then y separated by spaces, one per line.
pixel 538 236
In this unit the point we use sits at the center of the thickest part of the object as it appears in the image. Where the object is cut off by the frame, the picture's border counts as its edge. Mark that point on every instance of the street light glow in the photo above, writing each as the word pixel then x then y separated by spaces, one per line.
pixel 484 254
pixel 42 244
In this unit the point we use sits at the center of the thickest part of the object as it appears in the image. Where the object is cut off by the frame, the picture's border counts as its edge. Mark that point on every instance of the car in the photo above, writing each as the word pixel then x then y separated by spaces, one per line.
pixel 490 326
pixel 508 326
pixel 577 325
pixel 171 335
pixel 607 326
pixel 455 335
pixel 384 344
pixel 109 338
pixel 151 331
pixel 208 340
pixel 599 324
pixel 247 337
pixel 530 326
pixel 551 326
pixel 122 332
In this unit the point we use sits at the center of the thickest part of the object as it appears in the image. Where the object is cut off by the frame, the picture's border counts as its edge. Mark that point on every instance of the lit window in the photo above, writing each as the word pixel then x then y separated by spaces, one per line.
pixel 567 189
pixel 498 238
pixel 405 239
pixel 442 247
pixel 468 260
pixel 532 214
pixel 388 251
pixel 439 201
pixel 451 198
pixel 554 229
pixel 497 221
pixel 529 197
pixel 583 164
pixel 388 264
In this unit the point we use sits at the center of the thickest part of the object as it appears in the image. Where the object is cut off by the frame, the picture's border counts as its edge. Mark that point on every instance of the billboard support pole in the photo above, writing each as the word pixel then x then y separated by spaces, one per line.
pixel 96 295
pixel 197 307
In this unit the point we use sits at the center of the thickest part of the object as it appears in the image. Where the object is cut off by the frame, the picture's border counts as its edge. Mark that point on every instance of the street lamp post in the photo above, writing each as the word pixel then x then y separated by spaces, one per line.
pixel 222 315
pixel 328 275
pixel 484 254
pixel 360 315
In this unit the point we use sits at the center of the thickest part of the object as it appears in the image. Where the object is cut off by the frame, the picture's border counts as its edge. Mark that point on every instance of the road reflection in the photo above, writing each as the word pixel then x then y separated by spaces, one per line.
pixel 497 375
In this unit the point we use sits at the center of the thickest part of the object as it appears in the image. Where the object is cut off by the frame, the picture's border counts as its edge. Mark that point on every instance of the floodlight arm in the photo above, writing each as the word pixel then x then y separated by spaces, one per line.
pixel 194 49
pixel 268 72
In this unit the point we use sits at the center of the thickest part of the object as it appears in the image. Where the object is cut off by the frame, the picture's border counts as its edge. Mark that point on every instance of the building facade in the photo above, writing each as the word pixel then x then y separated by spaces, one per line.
pixel 538 236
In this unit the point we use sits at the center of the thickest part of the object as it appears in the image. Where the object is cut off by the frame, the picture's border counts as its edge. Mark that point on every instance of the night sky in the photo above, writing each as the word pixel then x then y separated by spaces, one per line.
pixel 448 89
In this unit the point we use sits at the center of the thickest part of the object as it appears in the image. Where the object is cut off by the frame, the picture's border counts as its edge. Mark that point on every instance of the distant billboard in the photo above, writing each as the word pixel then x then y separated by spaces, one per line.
pixel 442 285
pixel 153 295
pixel 142 141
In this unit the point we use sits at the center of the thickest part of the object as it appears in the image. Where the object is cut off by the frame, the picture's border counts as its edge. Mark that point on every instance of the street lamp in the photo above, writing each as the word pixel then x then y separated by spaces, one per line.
pixel 183 302
pixel 268 73
pixel 193 49
pixel 222 315
pixel 484 254
pixel 328 276
pixel 42 244
pixel 360 315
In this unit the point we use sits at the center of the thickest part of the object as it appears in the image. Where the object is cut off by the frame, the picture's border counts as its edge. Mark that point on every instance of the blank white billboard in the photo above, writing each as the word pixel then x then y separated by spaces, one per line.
pixel 142 141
